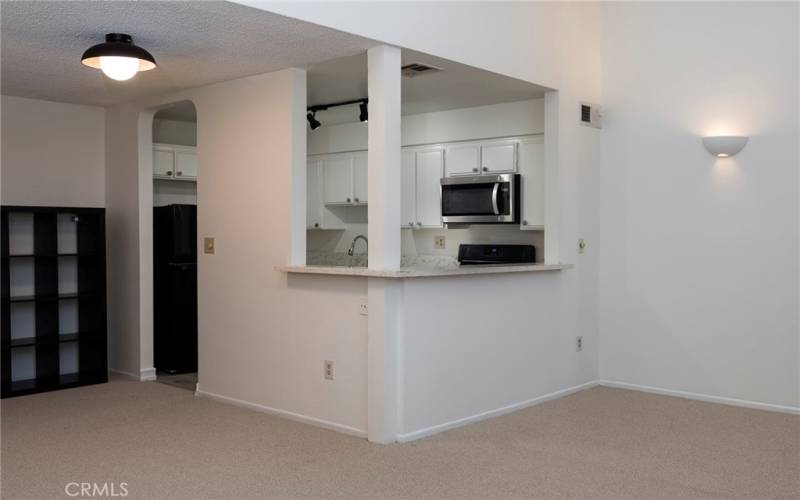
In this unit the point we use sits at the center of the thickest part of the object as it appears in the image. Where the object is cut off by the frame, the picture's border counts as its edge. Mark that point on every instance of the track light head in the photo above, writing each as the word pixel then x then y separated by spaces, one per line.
pixel 363 112
pixel 312 120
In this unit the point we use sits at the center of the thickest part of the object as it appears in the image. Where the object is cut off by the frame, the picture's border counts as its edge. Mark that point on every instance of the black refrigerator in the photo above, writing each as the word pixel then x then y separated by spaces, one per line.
pixel 175 288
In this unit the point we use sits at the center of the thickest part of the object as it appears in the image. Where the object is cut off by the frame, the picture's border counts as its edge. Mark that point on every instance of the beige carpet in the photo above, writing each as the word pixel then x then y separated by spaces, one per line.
pixel 601 443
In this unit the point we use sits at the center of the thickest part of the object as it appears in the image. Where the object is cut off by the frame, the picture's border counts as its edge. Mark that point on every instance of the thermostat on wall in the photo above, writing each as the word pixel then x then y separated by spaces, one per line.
pixel 591 115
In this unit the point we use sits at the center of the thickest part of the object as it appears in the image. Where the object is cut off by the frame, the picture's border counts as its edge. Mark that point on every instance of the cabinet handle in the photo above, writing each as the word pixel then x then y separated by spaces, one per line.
pixel 410 224
pixel 485 169
pixel 419 224
pixel 475 169
pixel 355 200
pixel 316 224
pixel 179 173
pixel 169 172
pixel 524 223
pixel 348 200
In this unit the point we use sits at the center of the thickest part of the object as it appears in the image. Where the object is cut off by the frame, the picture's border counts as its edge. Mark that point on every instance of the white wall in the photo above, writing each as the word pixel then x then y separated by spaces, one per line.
pixel 549 43
pixel 261 341
pixel 53 153
pixel 699 256
pixel 178 132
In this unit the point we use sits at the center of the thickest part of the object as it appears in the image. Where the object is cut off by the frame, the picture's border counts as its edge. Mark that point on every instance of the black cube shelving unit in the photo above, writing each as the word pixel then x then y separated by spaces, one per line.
pixel 52 299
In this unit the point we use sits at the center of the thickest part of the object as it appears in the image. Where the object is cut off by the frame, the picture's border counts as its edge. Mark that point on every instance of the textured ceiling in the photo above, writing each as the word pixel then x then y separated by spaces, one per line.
pixel 456 86
pixel 194 43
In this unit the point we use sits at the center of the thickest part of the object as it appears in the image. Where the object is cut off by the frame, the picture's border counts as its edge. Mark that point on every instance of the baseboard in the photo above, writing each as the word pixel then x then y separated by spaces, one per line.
pixel 283 413
pixel 702 397
pixel 127 375
pixel 428 431
pixel 147 374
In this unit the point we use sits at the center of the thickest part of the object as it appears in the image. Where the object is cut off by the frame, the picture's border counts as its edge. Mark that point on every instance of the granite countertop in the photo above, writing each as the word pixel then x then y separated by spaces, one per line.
pixel 422 271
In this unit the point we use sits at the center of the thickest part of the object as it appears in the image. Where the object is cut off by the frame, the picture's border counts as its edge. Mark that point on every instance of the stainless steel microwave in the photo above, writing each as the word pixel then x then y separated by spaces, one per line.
pixel 481 199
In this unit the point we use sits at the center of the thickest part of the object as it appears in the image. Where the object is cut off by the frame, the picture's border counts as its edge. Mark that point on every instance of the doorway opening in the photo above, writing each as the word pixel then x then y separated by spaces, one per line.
pixel 175 245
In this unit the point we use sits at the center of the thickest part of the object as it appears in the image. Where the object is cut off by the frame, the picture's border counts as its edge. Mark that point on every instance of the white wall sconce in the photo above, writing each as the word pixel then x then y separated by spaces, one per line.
pixel 725 145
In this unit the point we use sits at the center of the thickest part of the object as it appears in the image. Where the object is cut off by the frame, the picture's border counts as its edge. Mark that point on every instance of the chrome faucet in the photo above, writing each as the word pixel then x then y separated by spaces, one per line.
pixel 353 244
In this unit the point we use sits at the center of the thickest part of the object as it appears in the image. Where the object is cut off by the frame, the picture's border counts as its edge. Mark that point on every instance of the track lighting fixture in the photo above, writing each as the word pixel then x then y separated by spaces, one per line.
pixel 312 120
pixel 118 57
pixel 363 114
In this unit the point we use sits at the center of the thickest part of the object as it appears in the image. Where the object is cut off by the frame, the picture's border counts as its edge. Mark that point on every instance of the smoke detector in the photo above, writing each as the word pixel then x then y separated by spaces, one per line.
pixel 416 69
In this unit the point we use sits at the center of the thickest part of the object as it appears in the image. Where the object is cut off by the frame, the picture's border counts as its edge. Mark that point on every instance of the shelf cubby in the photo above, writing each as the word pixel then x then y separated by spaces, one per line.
pixel 52 289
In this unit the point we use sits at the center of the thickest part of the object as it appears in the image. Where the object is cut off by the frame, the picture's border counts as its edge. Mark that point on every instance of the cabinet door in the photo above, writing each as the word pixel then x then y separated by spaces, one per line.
pixel 531 168
pixel 337 175
pixel 163 162
pixel 429 173
pixel 313 195
pixel 186 164
pixel 408 188
pixel 360 178
pixel 462 159
pixel 499 157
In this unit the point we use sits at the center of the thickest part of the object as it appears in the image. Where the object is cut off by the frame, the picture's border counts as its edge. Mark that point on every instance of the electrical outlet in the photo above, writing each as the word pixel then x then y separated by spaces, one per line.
pixel 438 242
pixel 581 245
pixel 578 344
pixel 209 245
pixel 328 366
pixel 363 308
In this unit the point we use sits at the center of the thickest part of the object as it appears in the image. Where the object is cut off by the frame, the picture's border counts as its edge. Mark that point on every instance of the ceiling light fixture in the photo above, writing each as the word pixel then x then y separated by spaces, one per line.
pixel 725 145
pixel 312 120
pixel 118 58
pixel 363 114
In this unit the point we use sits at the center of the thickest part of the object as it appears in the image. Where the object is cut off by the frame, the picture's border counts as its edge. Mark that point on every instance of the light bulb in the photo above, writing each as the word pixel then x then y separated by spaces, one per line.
pixel 119 68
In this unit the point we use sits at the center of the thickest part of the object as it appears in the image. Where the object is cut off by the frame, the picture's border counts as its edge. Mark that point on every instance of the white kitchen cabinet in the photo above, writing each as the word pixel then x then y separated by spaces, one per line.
pixel 499 157
pixel 420 176
pixel 344 178
pixel 408 188
pixel 531 168
pixel 360 178
pixel 463 159
pixel 174 162
pixel 313 195
pixel 337 179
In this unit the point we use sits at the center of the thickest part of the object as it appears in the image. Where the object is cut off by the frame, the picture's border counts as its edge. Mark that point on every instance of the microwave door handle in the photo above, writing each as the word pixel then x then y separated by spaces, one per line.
pixel 494 198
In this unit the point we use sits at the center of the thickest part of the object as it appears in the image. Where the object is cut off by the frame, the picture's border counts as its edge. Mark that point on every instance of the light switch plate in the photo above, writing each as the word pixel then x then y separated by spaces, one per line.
pixel 209 245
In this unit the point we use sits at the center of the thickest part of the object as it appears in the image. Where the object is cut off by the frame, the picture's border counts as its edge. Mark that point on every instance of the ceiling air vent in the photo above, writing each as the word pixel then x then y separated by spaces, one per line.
pixel 416 69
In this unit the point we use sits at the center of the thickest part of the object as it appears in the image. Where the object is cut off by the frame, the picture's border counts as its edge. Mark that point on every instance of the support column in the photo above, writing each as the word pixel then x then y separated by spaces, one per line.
pixel 384 295
pixel 297 118
pixel 384 157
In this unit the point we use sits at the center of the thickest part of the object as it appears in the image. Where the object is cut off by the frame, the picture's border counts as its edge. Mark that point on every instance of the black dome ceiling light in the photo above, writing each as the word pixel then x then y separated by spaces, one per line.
pixel 118 57
pixel 363 112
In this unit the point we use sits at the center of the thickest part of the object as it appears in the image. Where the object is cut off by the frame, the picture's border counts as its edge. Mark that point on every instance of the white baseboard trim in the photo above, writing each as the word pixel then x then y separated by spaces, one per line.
pixel 147 374
pixel 282 413
pixel 428 431
pixel 702 397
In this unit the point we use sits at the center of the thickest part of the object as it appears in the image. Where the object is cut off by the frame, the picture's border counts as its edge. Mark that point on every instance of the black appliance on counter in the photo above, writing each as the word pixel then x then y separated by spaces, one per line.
pixel 175 288
pixel 496 254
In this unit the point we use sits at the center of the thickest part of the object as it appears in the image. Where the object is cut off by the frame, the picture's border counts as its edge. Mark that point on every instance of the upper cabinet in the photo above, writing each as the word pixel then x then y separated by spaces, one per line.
pixel 421 172
pixel 531 168
pixel 174 162
pixel 475 158
pixel 344 178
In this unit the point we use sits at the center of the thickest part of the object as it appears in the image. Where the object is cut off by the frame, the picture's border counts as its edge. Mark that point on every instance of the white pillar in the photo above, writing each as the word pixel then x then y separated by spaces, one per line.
pixel 384 157
pixel 384 295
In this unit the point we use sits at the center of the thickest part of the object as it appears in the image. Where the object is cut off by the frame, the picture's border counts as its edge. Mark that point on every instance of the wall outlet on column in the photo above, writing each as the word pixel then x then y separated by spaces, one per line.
pixel 581 245
pixel 578 344
pixel 328 366
pixel 439 242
